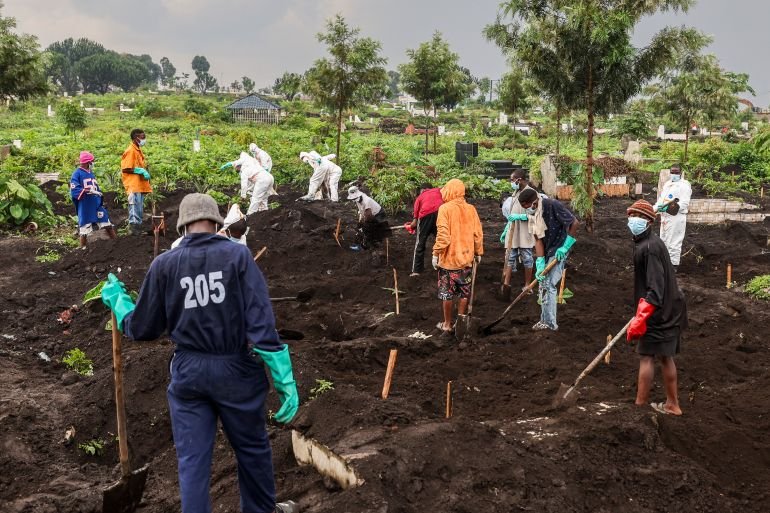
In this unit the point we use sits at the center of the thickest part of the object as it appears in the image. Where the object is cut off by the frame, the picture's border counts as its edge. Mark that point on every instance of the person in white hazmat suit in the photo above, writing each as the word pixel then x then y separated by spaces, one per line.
pixel 262 157
pixel 255 181
pixel 333 175
pixel 673 205
pixel 317 178
pixel 234 227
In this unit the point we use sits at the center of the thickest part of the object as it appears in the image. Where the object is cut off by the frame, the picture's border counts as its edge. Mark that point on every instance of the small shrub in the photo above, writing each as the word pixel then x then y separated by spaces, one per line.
pixel 196 106
pixel 322 386
pixel 93 447
pixel 47 257
pixel 20 203
pixel 759 287
pixel 73 116
pixel 77 361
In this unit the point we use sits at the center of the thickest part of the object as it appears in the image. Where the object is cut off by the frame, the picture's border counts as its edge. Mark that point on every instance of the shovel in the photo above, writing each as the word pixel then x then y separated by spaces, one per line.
pixel 463 325
pixel 303 296
pixel 565 393
pixel 486 330
pixel 125 495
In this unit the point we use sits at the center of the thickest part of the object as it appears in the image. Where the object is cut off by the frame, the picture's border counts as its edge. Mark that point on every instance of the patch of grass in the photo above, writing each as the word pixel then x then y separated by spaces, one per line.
pixel 47 257
pixel 759 287
pixel 77 361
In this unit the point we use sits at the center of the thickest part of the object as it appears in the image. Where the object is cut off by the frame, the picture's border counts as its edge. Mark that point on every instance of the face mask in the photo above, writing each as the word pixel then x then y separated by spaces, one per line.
pixel 142 142
pixel 637 225
pixel 531 210
pixel 676 178
pixel 515 186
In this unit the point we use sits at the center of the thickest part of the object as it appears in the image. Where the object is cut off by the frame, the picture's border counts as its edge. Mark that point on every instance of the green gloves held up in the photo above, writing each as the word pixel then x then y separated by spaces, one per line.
pixel 561 253
pixel 226 166
pixel 517 217
pixel 539 268
pixel 115 297
pixel 662 208
pixel 143 172
pixel 279 364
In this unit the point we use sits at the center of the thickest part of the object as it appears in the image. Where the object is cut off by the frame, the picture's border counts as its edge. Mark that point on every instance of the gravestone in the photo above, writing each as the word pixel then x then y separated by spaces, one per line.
pixel 633 153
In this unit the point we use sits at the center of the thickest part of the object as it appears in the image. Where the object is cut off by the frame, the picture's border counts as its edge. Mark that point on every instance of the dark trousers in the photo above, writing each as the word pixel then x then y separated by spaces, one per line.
pixel 231 388
pixel 426 226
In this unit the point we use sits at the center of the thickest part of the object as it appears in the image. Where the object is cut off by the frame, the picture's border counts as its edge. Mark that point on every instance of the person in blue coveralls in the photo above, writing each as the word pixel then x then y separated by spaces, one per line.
pixel 87 199
pixel 212 300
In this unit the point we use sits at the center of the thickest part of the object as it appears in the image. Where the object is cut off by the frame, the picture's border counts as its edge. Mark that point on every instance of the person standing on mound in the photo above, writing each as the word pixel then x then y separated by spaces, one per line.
pixel 661 312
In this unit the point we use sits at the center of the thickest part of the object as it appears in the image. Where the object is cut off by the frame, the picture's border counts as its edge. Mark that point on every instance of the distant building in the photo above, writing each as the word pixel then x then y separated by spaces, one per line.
pixel 254 109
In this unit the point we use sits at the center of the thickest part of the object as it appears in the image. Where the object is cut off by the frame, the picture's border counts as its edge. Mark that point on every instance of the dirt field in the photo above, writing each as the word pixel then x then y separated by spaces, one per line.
pixel 505 449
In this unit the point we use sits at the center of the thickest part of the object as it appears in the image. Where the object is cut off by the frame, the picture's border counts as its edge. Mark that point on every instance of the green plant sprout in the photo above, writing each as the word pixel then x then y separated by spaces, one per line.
pixel 77 361
pixel 759 287
pixel 322 386
pixel 93 447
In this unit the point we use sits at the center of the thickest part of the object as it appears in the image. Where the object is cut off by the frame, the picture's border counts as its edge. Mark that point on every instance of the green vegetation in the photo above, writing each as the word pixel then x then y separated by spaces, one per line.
pixel 322 386
pixel 94 293
pixel 47 257
pixel 77 361
pixel 94 447
pixel 759 287
pixel 21 203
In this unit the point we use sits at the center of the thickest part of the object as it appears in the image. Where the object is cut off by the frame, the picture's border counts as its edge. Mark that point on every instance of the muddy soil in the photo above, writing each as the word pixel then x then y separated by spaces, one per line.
pixel 504 449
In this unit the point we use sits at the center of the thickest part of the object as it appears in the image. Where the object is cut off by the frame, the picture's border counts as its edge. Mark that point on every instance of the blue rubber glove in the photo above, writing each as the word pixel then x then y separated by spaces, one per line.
pixel 115 297
pixel 539 268
pixel 226 166
pixel 143 172
pixel 561 253
pixel 517 217
pixel 279 364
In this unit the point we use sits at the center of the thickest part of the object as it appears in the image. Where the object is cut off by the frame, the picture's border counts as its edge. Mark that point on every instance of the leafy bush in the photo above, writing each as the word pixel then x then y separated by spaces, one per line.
pixel 22 203
pixel 759 287
pixel 93 447
pixel 77 361
pixel 195 106
pixel 95 293
pixel 392 188
pixel 73 116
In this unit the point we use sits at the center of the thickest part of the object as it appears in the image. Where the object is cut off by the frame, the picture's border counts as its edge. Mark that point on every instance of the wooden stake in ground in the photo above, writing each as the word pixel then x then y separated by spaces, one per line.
pixel 337 232
pixel 609 353
pixel 729 275
pixel 395 288
pixel 387 251
pixel 389 373
pixel 260 253
pixel 561 287
pixel 448 399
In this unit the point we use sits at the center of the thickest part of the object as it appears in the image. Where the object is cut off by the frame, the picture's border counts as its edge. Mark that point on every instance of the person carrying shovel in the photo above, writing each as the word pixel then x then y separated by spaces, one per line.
pixel 554 227
pixel 211 298
pixel 517 237
pixel 661 312
pixel 459 245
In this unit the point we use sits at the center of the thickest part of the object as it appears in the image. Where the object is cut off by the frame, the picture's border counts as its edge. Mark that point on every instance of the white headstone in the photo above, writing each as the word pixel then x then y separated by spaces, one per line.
pixel 564 127
pixel 196 145
pixel 633 153
pixel 50 112
pixel 357 119
pixel 745 126
pixel 371 121
pixel 350 119
pixel 661 132
pixel 441 130
pixel 502 119
pixel 81 103
pixel 17 143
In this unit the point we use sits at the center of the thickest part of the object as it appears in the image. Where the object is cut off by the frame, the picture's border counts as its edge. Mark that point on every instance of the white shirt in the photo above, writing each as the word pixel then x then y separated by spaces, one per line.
pixel 365 202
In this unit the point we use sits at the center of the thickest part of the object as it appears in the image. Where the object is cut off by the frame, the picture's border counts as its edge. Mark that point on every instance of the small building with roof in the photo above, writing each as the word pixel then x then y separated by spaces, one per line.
pixel 254 109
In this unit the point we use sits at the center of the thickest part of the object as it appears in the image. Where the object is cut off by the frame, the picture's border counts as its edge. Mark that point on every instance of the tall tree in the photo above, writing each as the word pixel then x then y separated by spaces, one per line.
pixel 63 57
pixel 353 75
pixel 591 39
pixel 200 64
pixel 21 66
pixel 98 72
pixel 248 84
pixel 288 85
pixel 434 77
pixel 167 72
pixel 394 80
pixel 513 93
pixel 235 86
pixel 203 80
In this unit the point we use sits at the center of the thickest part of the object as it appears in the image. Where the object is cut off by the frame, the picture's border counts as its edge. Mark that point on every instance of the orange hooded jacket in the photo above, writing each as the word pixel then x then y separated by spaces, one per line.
pixel 459 236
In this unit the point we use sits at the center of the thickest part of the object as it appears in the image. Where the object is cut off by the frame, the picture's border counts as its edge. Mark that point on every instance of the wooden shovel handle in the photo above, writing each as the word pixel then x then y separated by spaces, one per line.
pixel 120 405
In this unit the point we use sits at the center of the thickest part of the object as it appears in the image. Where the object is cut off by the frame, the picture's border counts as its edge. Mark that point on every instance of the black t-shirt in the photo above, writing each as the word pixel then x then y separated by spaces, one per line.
pixel 557 219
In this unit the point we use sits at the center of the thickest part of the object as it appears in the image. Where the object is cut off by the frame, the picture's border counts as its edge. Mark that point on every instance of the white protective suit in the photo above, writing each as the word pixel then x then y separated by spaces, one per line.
pixel 319 174
pixel 255 181
pixel 233 216
pixel 262 157
pixel 672 228
pixel 333 174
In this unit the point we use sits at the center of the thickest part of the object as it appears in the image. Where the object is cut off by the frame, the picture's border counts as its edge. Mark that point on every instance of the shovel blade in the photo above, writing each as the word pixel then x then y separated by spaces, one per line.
pixel 465 327
pixel 125 495
pixel 305 295
pixel 566 396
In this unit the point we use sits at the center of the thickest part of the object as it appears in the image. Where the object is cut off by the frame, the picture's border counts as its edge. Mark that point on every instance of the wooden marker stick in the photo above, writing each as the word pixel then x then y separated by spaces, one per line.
pixel 260 253
pixel 607 356
pixel 448 399
pixel 387 251
pixel 389 373
pixel 561 287
pixel 395 287
pixel 337 232
pixel 729 275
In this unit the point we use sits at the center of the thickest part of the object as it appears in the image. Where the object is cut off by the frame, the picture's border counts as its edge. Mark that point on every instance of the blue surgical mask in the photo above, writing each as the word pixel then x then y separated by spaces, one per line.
pixel 637 225
pixel 515 186
pixel 531 210
pixel 142 142
pixel 676 178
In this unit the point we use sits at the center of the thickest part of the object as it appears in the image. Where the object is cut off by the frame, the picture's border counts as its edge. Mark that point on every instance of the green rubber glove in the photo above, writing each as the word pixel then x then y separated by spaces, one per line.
pixel 517 217
pixel 539 268
pixel 561 253
pixel 226 166
pixel 115 297
pixel 279 364
pixel 662 208
pixel 142 171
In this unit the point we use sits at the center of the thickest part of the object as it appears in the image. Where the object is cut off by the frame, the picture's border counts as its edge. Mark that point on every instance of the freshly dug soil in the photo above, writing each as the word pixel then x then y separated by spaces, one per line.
pixel 504 449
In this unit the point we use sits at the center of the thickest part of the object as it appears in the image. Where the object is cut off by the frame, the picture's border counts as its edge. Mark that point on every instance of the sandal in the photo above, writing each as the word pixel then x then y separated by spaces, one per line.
pixel 661 408
pixel 440 326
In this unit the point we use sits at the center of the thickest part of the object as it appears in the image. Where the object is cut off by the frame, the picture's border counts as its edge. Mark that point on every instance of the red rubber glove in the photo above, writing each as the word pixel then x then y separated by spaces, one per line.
pixel 638 326
pixel 408 227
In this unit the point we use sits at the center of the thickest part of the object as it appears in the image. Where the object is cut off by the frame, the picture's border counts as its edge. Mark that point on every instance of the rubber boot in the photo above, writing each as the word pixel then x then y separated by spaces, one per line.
pixel 287 507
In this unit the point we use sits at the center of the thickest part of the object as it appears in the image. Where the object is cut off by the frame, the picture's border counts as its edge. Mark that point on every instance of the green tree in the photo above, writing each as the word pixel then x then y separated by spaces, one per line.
pixel 63 57
pixel 200 64
pixel 154 70
pixel 588 42
pixel 288 85
pixel 21 66
pixel 434 77
pixel 636 121
pixel 203 80
pixel 513 93
pixel 167 72
pixel 73 116
pixel 484 87
pixel 98 72
pixel 235 86
pixel 248 84
pixel 394 79
pixel 131 72
pixel 353 75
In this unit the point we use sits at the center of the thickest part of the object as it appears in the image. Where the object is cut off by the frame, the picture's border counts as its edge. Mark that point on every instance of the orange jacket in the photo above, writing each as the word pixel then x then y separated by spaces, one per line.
pixel 133 157
pixel 459 236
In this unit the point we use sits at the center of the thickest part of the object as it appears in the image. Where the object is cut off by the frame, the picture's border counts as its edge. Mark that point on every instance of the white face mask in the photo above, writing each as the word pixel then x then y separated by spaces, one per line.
pixel 676 178
pixel 142 142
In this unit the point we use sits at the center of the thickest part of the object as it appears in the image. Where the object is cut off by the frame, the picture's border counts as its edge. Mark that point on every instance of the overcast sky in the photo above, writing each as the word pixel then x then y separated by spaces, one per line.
pixel 264 38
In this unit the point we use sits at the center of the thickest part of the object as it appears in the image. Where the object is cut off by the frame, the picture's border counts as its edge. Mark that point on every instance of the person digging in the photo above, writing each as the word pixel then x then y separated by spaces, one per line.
pixel 372 222
pixel 518 235
pixel 554 227
pixel 212 300
pixel 459 244
pixel 426 207
pixel 661 312
pixel 88 200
